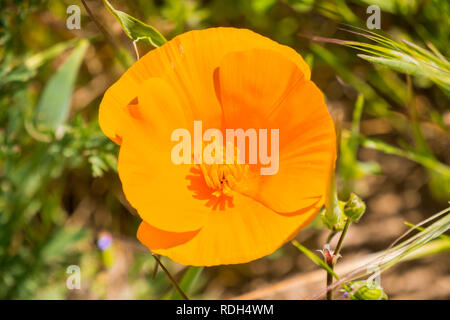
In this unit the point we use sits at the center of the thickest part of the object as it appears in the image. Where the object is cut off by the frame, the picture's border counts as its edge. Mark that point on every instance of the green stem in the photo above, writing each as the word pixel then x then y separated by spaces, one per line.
pixel 335 254
pixel 341 239
pixel 331 236
pixel 329 283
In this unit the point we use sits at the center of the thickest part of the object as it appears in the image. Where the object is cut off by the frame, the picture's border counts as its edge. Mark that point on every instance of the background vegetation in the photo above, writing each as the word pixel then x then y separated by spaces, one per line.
pixel 59 190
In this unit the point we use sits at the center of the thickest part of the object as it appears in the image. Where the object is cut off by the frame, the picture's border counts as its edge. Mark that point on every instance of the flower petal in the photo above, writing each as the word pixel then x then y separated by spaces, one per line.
pixel 154 238
pixel 152 183
pixel 187 62
pixel 262 89
pixel 242 233
pixel 159 190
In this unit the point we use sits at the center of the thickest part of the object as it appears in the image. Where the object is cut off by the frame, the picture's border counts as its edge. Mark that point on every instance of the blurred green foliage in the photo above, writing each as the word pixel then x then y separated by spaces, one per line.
pixel 54 159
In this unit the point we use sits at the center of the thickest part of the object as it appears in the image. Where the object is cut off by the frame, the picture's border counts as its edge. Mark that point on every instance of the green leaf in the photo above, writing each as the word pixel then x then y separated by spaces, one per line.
pixel 53 106
pixel 425 160
pixel 135 29
pixel 38 59
pixel 28 69
pixel 188 281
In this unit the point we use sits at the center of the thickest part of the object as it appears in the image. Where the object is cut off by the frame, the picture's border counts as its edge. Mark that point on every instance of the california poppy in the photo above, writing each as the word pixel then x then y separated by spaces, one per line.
pixel 227 78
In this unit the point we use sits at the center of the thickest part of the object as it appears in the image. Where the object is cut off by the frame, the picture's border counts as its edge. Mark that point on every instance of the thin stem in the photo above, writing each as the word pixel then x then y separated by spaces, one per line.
pixel 155 270
pixel 175 284
pixel 334 257
pixel 99 26
pixel 136 49
pixel 331 236
pixel 329 283
pixel 120 54
pixel 341 238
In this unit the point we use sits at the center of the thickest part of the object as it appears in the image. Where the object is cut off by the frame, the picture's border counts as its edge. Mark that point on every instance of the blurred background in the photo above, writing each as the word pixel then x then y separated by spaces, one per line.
pixel 61 202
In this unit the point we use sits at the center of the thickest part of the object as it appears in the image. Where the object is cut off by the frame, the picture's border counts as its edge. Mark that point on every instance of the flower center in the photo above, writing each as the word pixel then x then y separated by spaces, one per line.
pixel 222 177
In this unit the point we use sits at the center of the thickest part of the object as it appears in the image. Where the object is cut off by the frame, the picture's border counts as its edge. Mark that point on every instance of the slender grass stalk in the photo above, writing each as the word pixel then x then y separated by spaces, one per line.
pixel 155 270
pixel 99 26
pixel 171 278
pixel 122 55
pixel 402 56
pixel 400 251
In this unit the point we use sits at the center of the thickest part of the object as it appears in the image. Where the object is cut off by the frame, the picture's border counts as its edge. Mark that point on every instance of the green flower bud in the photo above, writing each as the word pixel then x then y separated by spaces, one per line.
pixel 369 292
pixel 354 208
pixel 334 220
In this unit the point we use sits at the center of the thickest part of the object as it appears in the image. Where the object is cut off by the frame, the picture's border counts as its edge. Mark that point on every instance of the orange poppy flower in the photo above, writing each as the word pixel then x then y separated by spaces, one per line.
pixel 227 78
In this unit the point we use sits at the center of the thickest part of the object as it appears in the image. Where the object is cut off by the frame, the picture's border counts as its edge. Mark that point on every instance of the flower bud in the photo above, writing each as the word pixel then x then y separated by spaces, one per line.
pixel 354 208
pixel 334 220
pixel 369 292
